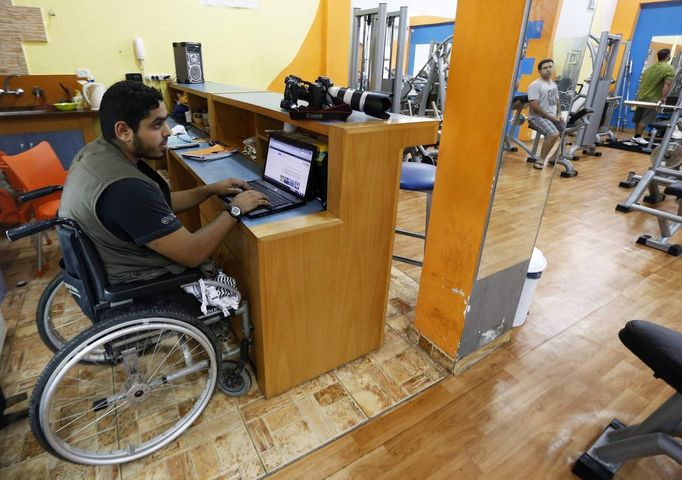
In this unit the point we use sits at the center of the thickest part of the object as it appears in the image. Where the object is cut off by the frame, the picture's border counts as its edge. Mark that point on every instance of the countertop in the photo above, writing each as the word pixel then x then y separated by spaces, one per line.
pixel 8 113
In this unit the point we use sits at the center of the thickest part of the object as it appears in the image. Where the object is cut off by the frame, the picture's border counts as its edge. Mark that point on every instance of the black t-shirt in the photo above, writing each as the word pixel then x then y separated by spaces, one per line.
pixel 134 211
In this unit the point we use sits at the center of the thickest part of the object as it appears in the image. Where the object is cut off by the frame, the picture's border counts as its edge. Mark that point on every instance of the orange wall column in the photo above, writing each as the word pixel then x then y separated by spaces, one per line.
pixel 325 49
pixel 484 55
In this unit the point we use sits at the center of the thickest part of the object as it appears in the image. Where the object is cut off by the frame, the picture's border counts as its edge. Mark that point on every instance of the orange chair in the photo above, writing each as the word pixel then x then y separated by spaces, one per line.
pixel 31 170
pixel 11 212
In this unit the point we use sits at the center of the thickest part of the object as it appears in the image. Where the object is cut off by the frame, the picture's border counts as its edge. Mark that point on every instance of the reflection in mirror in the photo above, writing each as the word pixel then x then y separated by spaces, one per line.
pixel 671 42
pixel 674 44
pixel 521 190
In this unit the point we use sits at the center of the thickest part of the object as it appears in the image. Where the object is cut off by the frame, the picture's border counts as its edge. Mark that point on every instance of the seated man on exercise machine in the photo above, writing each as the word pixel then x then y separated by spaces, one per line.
pixel 545 110
pixel 127 209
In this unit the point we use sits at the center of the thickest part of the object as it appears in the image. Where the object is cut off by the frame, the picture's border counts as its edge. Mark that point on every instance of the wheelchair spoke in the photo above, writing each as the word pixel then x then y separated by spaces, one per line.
pixel 183 360
pixel 166 357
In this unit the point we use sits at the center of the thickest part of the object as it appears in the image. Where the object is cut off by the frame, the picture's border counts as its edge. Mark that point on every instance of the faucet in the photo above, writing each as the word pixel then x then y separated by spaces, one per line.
pixel 5 90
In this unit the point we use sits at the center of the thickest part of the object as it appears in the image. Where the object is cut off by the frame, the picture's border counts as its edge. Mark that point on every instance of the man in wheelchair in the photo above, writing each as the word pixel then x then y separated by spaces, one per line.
pixel 126 208
pixel 146 368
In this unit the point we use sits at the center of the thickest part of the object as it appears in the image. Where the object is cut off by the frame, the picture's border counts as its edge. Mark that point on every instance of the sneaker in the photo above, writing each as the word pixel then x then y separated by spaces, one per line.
pixel 639 140
pixel 539 165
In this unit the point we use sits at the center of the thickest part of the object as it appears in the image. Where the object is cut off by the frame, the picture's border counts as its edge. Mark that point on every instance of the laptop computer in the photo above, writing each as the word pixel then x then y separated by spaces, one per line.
pixel 286 178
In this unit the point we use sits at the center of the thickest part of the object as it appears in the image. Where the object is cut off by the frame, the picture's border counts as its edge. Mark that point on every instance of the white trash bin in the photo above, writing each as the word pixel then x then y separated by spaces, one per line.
pixel 537 265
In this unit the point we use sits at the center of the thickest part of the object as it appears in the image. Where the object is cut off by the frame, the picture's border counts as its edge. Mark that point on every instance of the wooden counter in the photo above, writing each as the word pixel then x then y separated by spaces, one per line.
pixel 317 280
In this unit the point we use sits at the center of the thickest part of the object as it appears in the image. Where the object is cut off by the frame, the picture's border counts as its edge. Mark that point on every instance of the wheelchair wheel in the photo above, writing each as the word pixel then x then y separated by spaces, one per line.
pixel 59 318
pixel 160 372
pixel 234 385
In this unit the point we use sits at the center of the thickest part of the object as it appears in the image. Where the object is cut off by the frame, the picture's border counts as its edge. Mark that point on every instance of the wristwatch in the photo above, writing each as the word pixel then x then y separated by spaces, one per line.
pixel 235 211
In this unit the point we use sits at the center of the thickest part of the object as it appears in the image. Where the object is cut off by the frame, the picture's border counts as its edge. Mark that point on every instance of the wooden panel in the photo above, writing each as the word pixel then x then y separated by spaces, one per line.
pixel 467 165
pixel 231 125
pixel 317 283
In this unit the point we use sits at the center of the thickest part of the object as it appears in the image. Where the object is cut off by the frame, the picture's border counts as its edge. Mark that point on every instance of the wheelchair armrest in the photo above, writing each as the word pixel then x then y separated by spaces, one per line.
pixel 32 228
pixel 40 192
pixel 131 290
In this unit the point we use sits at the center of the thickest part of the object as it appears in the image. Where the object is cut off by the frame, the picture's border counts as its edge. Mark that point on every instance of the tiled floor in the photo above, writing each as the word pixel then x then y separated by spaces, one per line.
pixel 245 437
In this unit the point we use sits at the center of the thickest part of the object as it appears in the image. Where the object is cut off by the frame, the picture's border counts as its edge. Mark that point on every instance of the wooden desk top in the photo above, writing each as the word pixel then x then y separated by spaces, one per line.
pixel 206 88
pixel 267 103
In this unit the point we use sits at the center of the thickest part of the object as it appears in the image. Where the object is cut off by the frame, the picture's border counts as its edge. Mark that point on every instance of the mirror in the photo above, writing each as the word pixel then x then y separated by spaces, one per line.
pixel 520 190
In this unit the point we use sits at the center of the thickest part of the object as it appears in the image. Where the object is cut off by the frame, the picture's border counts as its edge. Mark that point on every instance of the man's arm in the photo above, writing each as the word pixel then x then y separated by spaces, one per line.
pixel 535 107
pixel 667 85
pixel 186 199
pixel 192 249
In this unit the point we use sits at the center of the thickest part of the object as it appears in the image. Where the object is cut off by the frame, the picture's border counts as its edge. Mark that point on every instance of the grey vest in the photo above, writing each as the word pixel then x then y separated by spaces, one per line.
pixel 96 166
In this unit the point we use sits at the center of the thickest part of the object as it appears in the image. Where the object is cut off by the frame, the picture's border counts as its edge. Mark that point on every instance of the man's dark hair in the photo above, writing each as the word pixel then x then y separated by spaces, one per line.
pixel 542 62
pixel 129 102
pixel 663 54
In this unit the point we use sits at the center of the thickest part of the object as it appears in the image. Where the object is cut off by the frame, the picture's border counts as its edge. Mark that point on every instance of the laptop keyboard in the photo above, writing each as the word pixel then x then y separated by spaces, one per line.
pixel 274 198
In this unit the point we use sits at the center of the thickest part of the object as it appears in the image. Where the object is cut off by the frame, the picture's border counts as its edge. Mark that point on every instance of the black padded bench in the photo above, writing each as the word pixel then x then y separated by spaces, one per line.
pixel 660 348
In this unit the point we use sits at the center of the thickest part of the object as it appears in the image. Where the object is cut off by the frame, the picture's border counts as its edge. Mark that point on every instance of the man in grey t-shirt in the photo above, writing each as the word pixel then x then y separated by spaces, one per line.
pixel 545 110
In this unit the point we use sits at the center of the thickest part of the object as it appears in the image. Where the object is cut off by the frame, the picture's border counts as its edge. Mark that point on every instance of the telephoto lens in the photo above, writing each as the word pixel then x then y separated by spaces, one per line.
pixel 372 103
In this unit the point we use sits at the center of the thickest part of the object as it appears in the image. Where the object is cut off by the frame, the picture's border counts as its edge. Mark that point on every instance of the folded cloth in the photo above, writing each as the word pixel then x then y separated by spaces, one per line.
pixel 220 292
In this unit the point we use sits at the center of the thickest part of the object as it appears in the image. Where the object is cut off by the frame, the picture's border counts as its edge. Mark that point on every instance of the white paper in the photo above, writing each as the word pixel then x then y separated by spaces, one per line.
pixel 231 3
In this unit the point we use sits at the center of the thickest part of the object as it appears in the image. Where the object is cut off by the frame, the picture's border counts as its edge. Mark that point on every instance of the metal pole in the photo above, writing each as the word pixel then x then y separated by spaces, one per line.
pixel 400 54
pixel 354 41
pixel 378 50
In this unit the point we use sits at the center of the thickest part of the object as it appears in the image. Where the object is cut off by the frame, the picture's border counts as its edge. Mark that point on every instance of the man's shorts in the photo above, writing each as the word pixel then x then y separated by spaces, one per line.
pixel 644 115
pixel 545 126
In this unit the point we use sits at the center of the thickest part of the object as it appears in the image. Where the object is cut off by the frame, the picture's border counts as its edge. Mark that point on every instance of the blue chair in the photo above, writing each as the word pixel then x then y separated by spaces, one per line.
pixel 417 177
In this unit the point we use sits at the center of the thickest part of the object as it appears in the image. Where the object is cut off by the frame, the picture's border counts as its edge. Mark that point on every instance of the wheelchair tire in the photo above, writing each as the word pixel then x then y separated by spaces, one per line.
pixel 59 318
pixel 234 386
pixel 117 410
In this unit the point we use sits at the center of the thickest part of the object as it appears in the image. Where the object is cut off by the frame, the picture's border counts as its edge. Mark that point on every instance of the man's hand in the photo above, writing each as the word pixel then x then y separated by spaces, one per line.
pixel 557 118
pixel 250 200
pixel 229 186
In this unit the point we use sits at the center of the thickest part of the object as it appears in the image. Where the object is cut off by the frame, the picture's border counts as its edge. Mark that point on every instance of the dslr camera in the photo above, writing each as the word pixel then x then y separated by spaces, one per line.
pixel 325 101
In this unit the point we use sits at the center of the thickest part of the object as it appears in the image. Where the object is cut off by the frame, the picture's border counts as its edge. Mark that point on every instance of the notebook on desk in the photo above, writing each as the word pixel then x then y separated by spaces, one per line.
pixel 286 178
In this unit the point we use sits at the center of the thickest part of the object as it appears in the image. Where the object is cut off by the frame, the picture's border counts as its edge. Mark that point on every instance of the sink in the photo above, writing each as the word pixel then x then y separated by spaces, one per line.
pixel 31 110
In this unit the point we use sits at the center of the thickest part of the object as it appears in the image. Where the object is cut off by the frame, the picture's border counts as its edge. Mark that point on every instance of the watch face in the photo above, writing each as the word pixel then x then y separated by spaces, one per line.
pixel 235 211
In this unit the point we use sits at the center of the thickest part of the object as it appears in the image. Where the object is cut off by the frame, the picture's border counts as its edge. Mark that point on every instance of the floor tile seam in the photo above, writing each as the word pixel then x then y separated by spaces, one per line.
pixel 253 443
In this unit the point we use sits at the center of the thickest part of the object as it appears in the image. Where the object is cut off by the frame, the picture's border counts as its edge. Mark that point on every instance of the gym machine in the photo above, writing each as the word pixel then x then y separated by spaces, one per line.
pixel 598 97
pixel 656 175
pixel 429 83
pixel 373 65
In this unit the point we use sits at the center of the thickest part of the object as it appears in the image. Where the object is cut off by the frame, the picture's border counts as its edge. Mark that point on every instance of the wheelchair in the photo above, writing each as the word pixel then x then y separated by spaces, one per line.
pixel 143 370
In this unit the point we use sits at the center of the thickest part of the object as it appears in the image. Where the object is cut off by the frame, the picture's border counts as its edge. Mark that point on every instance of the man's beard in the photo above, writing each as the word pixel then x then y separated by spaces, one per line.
pixel 143 150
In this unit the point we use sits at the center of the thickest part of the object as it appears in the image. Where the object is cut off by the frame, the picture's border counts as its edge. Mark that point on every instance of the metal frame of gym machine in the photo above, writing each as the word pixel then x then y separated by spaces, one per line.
pixel 367 69
pixel 597 97
pixel 656 175
pixel 376 22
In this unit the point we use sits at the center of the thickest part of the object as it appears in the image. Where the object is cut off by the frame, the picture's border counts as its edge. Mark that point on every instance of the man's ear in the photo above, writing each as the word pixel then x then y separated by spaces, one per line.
pixel 123 132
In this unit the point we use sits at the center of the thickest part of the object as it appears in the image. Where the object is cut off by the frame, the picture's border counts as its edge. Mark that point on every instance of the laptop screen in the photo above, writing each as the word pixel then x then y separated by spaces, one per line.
pixel 288 165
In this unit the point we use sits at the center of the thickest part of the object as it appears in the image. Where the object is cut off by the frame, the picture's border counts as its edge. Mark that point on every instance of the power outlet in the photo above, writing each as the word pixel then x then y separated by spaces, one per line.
pixel 158 76
pixel 83 73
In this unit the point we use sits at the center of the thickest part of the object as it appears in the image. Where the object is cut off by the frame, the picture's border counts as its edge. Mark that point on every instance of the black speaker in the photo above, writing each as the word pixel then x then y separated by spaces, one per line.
pixel 188 66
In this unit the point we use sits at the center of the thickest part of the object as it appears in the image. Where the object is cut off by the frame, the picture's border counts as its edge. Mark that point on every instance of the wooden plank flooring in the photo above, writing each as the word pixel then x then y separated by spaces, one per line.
pixel 530 408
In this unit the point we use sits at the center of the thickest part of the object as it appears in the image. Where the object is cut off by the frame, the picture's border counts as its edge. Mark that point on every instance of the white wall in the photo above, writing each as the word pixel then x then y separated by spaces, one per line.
pixel 436 8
